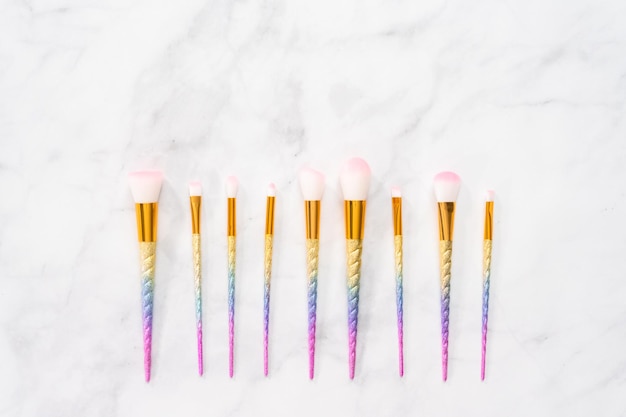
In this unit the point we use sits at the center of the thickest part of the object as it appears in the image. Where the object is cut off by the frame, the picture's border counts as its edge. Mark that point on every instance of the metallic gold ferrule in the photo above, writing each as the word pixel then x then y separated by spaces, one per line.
pixel 355 218
pixel 446 220
pixel 196 202
pixel 488 220
pixel 396 207
pixel 232 217
pixel 147 214
pixel 269 216
pixel 312 218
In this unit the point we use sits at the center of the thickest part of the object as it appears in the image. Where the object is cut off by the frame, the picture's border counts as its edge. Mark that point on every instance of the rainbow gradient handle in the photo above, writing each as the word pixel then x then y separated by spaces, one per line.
pixel 399 302
pixel 231 303
pixel 312 261
pixel 148 257
pixel 486 284
pixel 197 279
pixel 354 248
pixel 445 259
pixel 266 300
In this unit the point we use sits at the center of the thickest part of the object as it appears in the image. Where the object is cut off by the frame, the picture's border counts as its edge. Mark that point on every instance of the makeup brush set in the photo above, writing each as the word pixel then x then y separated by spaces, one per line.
pixel 354 179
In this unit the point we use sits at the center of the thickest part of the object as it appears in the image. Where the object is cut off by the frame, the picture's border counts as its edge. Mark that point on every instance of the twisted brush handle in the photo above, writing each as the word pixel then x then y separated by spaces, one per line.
pixel 486 284
pixel 147 252
pixel 445 264
pixel 197 280
pixel 354 249
pixel 397 240
pixel 312 261
pixel 231 302
pixel 266 299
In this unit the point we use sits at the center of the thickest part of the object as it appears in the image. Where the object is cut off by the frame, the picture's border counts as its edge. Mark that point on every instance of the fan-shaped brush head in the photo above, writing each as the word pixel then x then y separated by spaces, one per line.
pixel 231 186
pixel 490 195
pixel 271 190
pixel 195 189
pixel 395 192
pixel 311 184
pixel 355 179
pixel 145 186
pixel 447 185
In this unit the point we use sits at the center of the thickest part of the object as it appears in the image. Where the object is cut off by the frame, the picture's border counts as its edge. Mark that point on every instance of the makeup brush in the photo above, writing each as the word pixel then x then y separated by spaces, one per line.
pixel 355 181
pixel 487 239
pixel 312 186
pixel 231 231
pixel 396 207
pixel 145 187
pixel 195 200
pixel 447 185
pixel 267 272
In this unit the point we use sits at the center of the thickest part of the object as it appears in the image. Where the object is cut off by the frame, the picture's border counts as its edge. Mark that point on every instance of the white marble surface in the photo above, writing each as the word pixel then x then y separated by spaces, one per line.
pixel 525 96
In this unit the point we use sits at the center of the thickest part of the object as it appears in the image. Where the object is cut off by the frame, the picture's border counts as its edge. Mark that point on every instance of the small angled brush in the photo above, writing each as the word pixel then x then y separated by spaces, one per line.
pixel 355 182
pixel 231 232
pixel 267 272
pixel 396 206
pixel 195 201
pixel 146 187
pixel 487 240
pixel 312 186
pixel 447 185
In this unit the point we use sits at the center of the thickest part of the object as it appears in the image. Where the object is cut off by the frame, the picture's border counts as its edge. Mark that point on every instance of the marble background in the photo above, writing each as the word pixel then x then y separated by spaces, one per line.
pixel 523 96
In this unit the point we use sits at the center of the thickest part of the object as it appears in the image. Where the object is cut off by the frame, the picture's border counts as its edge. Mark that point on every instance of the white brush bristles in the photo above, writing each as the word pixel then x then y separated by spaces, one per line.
pixel 231 187
pixel 145 186
pixel 312 184
pixel 395 192
pixel 447 186
pixel 271 190
pixel 355 179
pixel 490 195
pixel 195 189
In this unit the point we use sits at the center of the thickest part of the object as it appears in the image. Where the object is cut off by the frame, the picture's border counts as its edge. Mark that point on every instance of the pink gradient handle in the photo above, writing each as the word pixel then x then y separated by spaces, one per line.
pixel 200 359
pixel 231 346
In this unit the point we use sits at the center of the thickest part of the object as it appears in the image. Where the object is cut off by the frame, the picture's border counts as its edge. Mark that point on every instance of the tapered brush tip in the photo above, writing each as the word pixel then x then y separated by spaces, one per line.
pixel 231 186
pixel 355 179
pixel 195 189
pixel 312 184
pixel 145 186
pixel 271 190
pixel 490 195
pixel 447 186
pixel 395 192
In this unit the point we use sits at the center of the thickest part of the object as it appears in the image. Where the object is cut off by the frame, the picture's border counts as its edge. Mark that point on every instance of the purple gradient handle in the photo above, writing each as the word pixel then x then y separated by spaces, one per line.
pixel 353 314
pixel 147 297
pixel 399 303
pixel 266 324
pixel 200 358
pixel 486 285
pixel 445 322
pixel 312 304
pixel 231 320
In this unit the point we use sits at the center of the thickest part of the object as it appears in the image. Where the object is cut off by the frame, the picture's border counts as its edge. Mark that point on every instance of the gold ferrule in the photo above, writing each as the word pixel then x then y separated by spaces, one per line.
pixel 312 218
pixel 232 217
pixel 446 220
pixel 269 216
pixel 488 220
pixel 355 218
pixel 147 214
pixel 196 202
pixel 396 206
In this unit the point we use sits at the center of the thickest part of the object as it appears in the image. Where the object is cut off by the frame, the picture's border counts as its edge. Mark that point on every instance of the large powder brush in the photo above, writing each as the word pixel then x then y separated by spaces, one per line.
pixel 145 187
